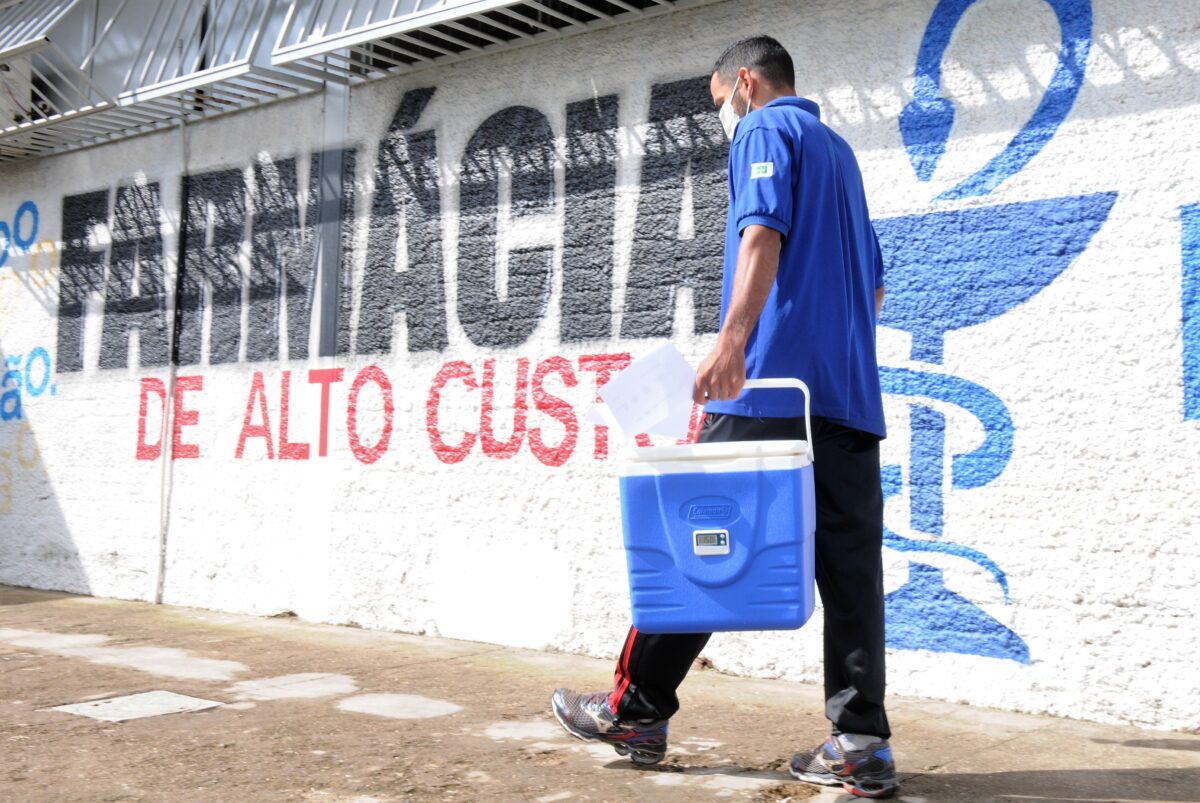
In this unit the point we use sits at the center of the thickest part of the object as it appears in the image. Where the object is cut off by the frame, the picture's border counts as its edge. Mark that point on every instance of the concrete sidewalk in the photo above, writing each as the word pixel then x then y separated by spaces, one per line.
pixel 317 713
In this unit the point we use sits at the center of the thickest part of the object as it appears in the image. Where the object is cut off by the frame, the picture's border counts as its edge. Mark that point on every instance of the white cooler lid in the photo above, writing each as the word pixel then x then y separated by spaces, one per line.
pixel 725 450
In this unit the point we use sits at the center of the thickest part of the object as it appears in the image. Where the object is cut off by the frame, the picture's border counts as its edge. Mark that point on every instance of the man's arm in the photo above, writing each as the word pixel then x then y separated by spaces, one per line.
pixel 878 273
pixel 723 373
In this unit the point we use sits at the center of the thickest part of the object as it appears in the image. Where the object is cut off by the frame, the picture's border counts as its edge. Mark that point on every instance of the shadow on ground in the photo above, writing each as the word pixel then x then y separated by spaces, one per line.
pixel 1046 786
pixel 1156 744
pixel 1160 784
pixel 29 596
pixel 731 770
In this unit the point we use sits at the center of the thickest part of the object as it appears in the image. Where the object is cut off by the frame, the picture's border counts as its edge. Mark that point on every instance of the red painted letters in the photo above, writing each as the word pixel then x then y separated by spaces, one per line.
pixel 444 451
pixel 287 449
pixel 369 454
pixel 324 377
pixel 150 451
pixel 487 434
pixel 556 408
pixel 185 418
pixel 546 444
pixel 263 430
pixel 605 366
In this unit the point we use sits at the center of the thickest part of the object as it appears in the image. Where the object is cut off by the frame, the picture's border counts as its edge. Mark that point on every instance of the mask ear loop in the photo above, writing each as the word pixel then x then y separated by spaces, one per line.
pixel 749 96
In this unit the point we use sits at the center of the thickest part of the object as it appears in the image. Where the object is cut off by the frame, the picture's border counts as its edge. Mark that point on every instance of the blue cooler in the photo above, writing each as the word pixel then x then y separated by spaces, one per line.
pixel 719 536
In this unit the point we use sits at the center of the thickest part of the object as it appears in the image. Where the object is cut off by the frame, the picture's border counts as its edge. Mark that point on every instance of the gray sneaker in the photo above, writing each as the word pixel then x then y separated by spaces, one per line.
pixel 589 717
pixel 870 772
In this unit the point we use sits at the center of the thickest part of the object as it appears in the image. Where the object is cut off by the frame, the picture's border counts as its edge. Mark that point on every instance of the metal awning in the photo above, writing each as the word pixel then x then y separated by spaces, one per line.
pixel 145 65
pixel 78 72
pixel 43 92
pixel 357 40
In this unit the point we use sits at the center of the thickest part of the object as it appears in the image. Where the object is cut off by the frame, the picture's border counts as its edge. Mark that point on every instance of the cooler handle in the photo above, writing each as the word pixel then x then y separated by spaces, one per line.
pixel 786 384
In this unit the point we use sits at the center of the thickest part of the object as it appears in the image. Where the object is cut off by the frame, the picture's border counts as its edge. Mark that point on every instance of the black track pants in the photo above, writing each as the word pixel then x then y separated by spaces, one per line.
pixel 849 573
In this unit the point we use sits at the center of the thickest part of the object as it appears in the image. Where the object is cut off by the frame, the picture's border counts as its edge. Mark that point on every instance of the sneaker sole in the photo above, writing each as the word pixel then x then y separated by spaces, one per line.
pixel 848 788
pixel 818 780
pixel 637 757
pixel 876 794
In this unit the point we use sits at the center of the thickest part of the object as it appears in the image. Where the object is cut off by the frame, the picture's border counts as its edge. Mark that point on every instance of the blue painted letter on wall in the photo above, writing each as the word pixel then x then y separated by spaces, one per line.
pixel 1190 216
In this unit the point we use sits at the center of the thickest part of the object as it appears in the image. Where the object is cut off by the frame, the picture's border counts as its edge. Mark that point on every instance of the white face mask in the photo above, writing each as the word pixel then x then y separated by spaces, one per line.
pixel 729 117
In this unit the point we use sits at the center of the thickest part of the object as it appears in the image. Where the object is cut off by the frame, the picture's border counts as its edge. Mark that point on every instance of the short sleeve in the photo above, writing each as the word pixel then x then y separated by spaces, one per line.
pixel 762 165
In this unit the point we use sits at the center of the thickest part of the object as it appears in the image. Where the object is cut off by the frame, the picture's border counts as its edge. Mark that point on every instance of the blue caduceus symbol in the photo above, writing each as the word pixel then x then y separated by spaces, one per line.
pixel 951 269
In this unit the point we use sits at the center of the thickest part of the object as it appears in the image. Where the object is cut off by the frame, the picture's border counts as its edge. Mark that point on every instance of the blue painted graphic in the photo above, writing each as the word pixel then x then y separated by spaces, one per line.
pixel 972 469
pixel 40 358
pixel 1190 218
pixel 943 621
pixel 10 390
pixel 22 233
pixel 925 123
pixel 924 614
pixel 32 376
pixel 928 428
pixel 948 270
pixel 893 484
pixel 27 209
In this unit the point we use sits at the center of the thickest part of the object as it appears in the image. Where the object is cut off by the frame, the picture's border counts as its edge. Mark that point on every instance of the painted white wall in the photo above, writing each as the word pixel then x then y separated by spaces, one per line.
pixel 1092 520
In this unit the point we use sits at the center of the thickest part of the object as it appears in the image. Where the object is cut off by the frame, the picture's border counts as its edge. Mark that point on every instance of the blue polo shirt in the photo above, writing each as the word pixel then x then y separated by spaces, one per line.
pixel 789 171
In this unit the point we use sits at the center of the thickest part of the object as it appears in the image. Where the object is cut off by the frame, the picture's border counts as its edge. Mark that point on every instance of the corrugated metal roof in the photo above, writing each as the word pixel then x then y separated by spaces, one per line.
pixel 25 23
pixel 146 64
pixel 353 40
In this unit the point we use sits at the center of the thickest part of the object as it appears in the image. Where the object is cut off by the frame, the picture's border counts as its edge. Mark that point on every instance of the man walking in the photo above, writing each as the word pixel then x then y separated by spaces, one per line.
pixel 803 287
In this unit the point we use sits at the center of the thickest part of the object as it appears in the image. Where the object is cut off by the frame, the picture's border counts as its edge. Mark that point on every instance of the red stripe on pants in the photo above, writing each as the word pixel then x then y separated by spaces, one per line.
pixel 621 681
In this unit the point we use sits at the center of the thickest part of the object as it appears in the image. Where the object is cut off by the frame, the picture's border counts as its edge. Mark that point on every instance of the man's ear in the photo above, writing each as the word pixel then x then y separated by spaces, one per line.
pixel 746 79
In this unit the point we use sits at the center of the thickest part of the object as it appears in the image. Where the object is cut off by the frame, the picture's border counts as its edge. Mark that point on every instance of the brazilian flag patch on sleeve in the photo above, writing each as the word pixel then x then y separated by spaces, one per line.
pixel 762 170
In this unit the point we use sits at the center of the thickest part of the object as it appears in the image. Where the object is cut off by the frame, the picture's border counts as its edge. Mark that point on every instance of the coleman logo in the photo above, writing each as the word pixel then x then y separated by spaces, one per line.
pixel 709 512
pixel 762 170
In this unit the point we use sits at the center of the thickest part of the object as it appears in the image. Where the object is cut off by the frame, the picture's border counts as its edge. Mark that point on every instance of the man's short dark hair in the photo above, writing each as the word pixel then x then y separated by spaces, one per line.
pixel 762 54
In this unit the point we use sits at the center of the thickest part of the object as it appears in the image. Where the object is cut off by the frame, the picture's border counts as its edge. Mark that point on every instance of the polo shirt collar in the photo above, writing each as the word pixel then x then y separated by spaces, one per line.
pixel 802 103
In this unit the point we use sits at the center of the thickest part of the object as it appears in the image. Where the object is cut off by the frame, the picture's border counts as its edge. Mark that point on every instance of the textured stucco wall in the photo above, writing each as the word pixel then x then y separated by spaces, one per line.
pixel 513 228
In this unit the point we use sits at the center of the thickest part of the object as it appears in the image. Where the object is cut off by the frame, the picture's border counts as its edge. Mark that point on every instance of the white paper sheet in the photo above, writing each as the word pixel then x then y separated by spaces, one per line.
pixel 652 395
